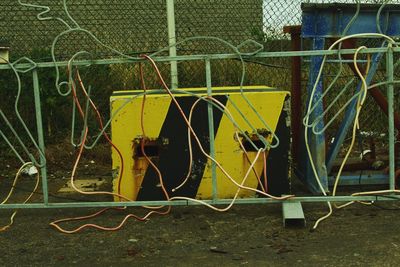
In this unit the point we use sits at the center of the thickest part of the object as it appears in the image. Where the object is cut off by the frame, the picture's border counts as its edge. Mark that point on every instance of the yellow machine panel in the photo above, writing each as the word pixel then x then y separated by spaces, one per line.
pixel 167 142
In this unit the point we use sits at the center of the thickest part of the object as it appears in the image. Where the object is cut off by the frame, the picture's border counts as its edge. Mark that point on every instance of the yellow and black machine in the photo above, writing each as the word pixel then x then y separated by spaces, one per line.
pixel 167 142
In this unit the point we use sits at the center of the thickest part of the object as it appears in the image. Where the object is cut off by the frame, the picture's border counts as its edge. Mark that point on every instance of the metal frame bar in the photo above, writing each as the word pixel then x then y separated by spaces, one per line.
pixel 310 199
pixel 207 59
pixel 390 96
pixel 201 57
pixel 211 131
pixel 39 124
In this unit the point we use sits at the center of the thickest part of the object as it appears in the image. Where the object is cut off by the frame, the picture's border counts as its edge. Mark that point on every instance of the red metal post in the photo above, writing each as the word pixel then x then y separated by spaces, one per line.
pixel 296 126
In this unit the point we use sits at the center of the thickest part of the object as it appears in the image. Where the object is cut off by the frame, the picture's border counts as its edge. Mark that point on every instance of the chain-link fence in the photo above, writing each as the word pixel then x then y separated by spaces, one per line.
pixel 140 26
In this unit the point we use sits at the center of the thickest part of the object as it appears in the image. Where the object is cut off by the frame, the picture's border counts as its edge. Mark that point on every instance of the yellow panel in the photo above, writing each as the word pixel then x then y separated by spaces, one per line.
pixel 269 105
pixel 125 127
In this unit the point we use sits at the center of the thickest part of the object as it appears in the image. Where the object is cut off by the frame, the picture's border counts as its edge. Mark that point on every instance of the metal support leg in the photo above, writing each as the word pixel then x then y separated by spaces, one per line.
pixel 39 124
pixel 316 142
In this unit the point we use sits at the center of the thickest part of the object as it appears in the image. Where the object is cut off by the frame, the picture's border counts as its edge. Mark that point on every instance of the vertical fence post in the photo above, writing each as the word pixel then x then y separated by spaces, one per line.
pixel 172 42
pixel 390 77
pixel 211 132
pixel 39 124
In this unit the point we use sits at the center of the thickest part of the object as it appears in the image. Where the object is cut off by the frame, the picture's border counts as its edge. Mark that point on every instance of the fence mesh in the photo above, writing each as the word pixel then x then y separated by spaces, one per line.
pixel 140 26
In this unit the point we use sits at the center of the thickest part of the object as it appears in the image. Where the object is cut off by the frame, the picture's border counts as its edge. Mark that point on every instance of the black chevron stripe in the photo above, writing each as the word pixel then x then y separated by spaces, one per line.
pixel 278 159
pixel 173 159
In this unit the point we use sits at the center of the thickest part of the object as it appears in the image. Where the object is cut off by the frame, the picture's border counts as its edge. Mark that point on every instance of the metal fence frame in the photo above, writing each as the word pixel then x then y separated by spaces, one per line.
pixel 207 59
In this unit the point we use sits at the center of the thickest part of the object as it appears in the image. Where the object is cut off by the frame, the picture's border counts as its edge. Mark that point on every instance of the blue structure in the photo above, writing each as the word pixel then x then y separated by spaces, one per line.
pixel 322 21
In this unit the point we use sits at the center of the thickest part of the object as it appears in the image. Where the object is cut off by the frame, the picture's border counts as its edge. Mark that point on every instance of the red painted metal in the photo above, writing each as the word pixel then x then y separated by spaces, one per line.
pixel 296 100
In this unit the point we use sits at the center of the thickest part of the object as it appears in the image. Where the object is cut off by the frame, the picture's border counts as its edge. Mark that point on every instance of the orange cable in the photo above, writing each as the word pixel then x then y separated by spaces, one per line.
pixel 143 142
pixel 100 120
pixel 55 223
pixel 197 139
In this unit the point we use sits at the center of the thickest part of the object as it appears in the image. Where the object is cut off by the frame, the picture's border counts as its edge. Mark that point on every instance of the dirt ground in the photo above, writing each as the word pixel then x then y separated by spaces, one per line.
pixel 250 235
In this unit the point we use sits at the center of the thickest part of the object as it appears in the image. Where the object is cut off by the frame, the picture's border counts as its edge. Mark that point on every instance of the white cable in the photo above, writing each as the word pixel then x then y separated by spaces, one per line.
pixel 17 175
pixel 360 102
pixel 391 41
pixel 236 194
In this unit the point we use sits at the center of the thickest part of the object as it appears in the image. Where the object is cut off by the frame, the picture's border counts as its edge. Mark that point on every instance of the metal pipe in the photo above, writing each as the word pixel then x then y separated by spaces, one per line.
pixel 390 96
pixel 307 53
pixel 172 42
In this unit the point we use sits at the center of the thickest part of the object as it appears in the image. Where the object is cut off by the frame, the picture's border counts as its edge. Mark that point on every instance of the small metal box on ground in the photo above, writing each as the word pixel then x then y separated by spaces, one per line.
pixel 167 142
